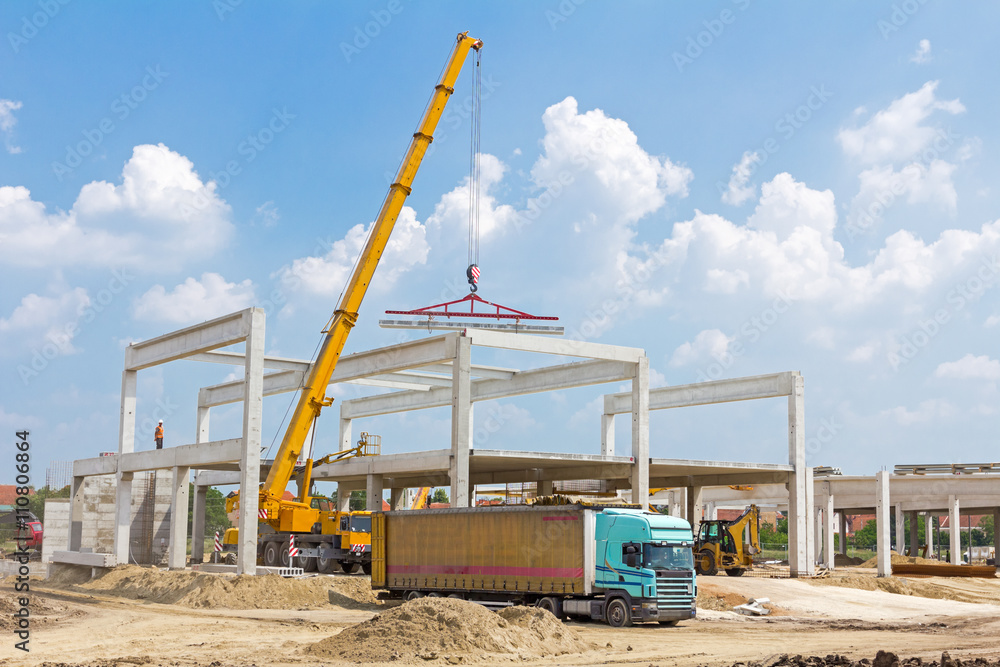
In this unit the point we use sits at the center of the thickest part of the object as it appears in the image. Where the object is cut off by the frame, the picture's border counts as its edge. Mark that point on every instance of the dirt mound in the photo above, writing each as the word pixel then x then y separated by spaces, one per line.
pixel 896 559
pixel 882 659
pixel 938 588
pixel 455 630
pixel 840 560
pixel 41 611
pixel 200 589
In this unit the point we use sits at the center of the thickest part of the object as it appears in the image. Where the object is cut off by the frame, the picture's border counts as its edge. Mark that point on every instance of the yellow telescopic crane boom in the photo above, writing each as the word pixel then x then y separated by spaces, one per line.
pixel 313 395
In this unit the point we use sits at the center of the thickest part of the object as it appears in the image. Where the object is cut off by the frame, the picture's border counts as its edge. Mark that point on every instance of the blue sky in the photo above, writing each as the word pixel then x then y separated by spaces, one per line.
pixel 738 188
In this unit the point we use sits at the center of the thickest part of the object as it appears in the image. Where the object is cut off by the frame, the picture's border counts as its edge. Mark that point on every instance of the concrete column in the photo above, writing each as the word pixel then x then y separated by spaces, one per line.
pixel 812 538
pixel 882 518
pixel 179 519
pixel 955 530
pixel 126 421
pixel 343 498
pixel 678 502
pixel 544 487
pixel 818 541
pixel 374 493
pixel 996 538
pixel 253 398
pixel 346 436
pixel 798 508
pixel 397 498
pixel 76 514
pixel 900 531
pixel 914 535
pixel 201 425
pixel 198 524
pixel 607 435
pixel 640 434
pixel 461 422
pixel 929 533
pixel 694 507
pixel 843 533
pixel 828 549
pixel 711 511
pixel 123 516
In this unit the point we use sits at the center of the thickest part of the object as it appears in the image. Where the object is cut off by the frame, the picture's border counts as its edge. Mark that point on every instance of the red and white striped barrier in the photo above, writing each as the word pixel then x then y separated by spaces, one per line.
pixel 261 514
pixel 292 551
pixel 218 543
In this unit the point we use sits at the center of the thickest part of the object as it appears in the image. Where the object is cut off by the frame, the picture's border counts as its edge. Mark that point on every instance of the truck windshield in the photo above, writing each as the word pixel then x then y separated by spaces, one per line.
pixel 667 557
pixel 361 524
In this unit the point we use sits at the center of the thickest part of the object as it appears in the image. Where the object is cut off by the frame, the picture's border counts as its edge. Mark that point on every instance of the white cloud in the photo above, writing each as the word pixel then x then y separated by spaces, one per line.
pixel 898 132
pixel 161 216
pixel 327 275
pixel 267 215
pixel 919 183
pixel 452 212
pixel 657 379
pixel 992 321
pixel 923 54
pixel 710 343
pixel 194 300
pixel 970 367
pixel 739 191
pixel 7 123
pixel 49 321
pixel 931 409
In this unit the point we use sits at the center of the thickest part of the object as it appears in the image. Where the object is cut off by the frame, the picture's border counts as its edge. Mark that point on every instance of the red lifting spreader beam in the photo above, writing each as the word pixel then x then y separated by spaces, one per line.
pixel 472 299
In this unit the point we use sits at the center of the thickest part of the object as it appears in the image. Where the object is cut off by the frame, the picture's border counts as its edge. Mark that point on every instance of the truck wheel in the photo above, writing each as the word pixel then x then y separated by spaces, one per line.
pixel 308 564
pixel 550 605
pixel 271 556
pixel 735 571
pixel 326 565
pixel 618 614
pixel 413 595
pixel 367 569
pixel 283 558
pixel 457 596
pixel 705 563
pixel 348 567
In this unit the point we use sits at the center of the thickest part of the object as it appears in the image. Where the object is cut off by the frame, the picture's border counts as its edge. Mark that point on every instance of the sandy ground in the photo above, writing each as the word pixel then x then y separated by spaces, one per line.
pixel 75 625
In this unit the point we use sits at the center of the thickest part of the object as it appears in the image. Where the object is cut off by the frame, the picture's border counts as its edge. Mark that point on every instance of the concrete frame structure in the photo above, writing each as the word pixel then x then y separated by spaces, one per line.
pixel 889 497
pixel 436 371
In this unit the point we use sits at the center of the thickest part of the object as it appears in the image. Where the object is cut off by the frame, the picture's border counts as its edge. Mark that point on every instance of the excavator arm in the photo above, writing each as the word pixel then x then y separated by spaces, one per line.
pixel 312 398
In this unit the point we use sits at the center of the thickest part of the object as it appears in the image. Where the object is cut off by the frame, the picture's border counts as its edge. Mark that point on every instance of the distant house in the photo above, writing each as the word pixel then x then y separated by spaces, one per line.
pixel 8 496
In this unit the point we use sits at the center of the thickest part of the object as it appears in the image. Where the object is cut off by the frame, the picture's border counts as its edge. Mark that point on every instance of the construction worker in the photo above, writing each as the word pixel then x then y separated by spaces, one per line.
pixel 158 435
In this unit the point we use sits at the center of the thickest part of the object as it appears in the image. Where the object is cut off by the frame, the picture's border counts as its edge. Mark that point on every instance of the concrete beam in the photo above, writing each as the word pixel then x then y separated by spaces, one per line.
pixel 560 346
pixel 232 392
pixel 705 393
pixel 715 480
pixel 239 359
pixel 199 455
pixel 387 465
pixel 220 332
pixel 99 465
pixel 88 559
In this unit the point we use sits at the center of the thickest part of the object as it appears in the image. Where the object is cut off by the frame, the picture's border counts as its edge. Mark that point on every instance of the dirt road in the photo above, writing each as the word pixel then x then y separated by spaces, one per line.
pixel 74 626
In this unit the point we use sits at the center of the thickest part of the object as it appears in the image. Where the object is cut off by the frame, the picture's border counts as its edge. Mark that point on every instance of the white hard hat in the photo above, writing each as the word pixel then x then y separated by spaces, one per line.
pixel 161 421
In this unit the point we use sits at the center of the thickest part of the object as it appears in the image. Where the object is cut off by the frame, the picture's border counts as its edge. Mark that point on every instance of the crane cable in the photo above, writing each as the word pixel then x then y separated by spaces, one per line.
pixel 475 171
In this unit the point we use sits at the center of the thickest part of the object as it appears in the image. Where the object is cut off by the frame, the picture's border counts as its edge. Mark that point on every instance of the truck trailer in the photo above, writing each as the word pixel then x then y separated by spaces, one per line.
pixel 611 563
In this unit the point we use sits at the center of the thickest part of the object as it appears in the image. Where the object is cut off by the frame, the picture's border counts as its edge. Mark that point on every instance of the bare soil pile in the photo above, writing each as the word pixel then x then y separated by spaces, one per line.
pixel 939 588
pixel 454 630
pixel 882 659
pixel 40 610
pixel 896 559
pixel 840 560
pixel 199 589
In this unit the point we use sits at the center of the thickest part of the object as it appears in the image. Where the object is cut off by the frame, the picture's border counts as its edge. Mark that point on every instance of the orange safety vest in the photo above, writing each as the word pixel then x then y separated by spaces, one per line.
pixel 159 431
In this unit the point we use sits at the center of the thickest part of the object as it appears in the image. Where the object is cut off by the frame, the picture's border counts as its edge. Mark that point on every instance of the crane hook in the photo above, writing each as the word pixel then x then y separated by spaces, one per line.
pixel 472 273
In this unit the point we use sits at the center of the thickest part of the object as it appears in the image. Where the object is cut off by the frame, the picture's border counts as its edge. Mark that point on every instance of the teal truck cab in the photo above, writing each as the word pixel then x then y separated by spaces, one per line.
pixel 643 568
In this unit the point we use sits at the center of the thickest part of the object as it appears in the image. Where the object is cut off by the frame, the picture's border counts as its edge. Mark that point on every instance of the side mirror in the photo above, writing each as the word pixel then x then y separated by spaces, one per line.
pixel 632 560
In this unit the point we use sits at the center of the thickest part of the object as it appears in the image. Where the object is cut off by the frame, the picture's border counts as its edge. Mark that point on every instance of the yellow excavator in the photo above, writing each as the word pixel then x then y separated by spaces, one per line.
pixel 316 531
pixel 728 545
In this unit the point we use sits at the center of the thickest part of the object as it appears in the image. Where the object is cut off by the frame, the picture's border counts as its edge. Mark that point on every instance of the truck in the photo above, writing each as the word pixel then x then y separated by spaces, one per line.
pixel 24 529
pixel 618 564
pixel 280 520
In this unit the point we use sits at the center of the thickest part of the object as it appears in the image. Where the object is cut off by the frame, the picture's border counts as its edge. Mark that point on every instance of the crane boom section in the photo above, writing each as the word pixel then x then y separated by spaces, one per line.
pixel 312 398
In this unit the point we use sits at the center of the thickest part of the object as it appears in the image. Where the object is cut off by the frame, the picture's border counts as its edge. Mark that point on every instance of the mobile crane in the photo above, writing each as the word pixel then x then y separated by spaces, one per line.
pixel 315 530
